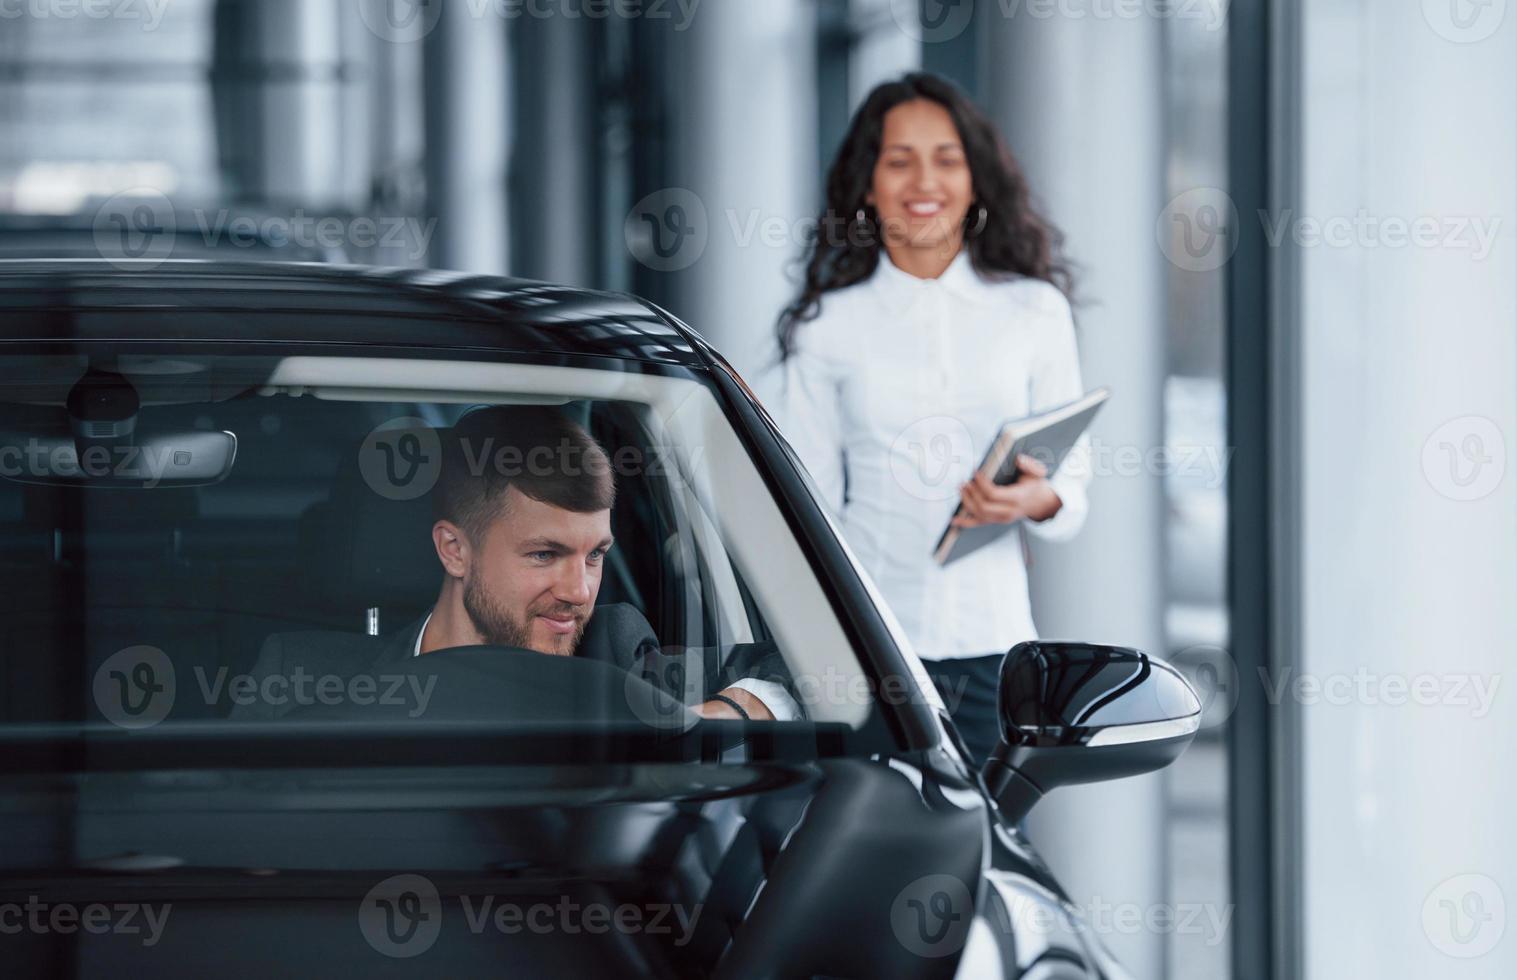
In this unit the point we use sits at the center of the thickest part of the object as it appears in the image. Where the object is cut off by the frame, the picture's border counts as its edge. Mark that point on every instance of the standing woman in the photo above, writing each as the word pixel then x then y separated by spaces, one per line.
pixel 934 309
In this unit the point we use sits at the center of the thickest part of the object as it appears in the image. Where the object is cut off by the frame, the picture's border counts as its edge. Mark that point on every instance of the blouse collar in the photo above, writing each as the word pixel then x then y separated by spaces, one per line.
pixel 959 279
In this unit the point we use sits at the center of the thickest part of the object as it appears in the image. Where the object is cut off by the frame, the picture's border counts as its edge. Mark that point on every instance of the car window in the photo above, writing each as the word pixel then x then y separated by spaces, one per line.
pixel 135 596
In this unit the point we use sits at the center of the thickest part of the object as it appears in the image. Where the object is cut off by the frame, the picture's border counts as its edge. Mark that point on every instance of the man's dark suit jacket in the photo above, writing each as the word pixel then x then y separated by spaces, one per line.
pixel 495 683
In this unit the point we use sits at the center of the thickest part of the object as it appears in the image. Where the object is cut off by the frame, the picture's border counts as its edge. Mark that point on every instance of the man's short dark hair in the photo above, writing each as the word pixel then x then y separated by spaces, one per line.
pixel 536 449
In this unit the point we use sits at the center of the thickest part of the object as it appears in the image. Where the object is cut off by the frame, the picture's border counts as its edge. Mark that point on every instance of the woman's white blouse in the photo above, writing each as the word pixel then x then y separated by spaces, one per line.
pixel 890 399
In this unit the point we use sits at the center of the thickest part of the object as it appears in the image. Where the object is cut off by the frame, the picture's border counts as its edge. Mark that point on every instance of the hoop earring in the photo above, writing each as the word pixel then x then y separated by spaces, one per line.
pixel 979 224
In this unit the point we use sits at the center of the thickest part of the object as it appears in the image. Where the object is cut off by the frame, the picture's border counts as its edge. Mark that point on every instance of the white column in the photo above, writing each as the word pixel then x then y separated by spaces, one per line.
pixel 468 138
pixel 1080 100
pixel 280 100
pixel 886 50
pixel 554 218
pixel 393 100
pixel 747 148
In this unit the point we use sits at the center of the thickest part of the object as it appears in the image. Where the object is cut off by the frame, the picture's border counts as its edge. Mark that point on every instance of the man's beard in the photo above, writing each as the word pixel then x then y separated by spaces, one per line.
pixel 497 627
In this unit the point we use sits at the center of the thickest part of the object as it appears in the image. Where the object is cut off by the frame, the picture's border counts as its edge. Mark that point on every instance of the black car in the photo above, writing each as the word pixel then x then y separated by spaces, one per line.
pixel 199 457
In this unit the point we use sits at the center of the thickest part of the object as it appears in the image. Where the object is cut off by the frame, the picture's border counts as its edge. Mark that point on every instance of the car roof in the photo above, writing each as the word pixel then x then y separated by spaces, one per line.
pixel 286 302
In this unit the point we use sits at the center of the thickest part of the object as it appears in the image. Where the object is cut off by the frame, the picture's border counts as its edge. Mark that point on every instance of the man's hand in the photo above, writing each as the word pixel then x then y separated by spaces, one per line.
pixel 1032 497
pixel 757 711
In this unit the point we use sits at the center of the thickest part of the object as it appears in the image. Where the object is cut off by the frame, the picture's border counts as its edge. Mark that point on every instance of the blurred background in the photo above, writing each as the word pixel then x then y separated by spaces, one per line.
pixel 1292 224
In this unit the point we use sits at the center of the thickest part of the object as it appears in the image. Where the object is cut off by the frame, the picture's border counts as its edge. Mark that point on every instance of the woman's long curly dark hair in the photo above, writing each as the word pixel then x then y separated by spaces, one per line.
pixel 1015 241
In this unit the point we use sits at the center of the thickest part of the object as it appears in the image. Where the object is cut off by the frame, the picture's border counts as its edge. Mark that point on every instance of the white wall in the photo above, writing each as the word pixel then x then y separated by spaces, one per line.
pixel 1408 116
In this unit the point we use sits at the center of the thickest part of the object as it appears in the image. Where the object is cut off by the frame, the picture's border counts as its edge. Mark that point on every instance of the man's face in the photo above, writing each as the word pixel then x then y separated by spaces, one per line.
pixel 533 579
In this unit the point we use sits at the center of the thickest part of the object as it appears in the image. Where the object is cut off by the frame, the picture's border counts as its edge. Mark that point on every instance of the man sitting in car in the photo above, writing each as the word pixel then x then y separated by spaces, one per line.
pixel 522 550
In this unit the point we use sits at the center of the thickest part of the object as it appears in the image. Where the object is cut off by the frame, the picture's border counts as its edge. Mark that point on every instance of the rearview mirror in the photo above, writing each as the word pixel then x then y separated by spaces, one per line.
pixel 1081 713
pixel 180 459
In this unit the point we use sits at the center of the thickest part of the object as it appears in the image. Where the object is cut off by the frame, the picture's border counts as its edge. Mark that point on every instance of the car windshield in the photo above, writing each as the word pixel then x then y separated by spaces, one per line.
pixel 198 539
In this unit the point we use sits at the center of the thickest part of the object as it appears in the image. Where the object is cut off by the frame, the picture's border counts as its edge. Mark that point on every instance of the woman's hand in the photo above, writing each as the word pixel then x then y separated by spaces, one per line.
pixel 1032 497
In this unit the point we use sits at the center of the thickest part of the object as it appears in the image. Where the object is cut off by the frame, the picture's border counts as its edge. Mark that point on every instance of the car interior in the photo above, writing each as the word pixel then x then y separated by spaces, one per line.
pixel 292 540
pixel 293 537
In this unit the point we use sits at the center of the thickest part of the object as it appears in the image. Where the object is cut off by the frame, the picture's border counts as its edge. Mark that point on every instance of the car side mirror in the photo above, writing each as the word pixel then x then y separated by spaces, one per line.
pixel 1081 713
